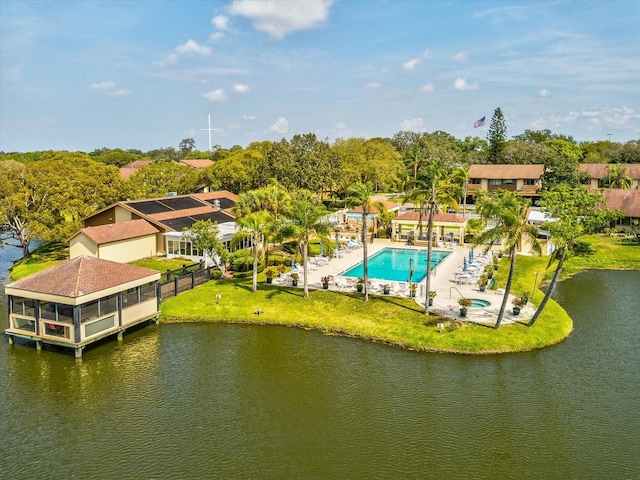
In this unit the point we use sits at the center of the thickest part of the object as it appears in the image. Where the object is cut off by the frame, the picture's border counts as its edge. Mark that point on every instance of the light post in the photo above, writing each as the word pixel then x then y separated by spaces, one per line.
pixel 535 280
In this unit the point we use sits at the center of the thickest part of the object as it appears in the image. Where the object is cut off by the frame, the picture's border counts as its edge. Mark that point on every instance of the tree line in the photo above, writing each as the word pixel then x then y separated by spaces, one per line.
pixel 45 194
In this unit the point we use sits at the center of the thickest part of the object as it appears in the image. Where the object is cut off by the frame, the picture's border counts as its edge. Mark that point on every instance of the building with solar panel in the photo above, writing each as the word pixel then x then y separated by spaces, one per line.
pixel 131 230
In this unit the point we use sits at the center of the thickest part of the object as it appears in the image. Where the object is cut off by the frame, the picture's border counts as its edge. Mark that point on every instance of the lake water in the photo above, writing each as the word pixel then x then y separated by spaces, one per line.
pixel 201 401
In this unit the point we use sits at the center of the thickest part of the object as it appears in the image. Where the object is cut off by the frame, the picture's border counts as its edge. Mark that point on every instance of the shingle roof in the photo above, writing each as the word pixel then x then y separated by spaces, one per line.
pixel 114 232
pixel 133 167
pixel 601 170
pixel 82 276
pixel 438 217
pixel 506 172
pixel 626 200
pixel 197 164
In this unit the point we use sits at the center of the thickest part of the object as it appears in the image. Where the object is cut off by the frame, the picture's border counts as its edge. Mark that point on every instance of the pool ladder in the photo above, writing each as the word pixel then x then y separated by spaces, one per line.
pixel 454 288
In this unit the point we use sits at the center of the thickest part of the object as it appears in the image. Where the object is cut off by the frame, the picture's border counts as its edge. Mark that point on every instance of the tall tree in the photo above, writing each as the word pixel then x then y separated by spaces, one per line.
pixel 186 145
pixel 306 218
pixel 575 212
pixel 360 196
pixel 253 225
pixel 509 212
pixel 497 137
pixel 462 178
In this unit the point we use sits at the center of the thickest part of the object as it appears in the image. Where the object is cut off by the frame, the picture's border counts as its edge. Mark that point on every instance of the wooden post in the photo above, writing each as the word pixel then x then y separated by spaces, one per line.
pixel 78 352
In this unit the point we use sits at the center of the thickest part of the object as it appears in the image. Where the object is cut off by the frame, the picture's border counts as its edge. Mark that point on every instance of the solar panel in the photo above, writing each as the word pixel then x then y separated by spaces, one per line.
pixel 181 203
pixel 178 224
pixel 224 202
pixel 219 217
pixel 149 207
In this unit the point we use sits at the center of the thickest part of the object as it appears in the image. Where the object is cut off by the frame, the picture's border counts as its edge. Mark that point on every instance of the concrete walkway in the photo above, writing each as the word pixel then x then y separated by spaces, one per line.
pixel 443 281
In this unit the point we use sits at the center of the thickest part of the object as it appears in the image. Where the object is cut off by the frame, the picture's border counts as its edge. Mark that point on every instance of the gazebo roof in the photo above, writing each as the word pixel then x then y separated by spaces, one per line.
pixel 81 276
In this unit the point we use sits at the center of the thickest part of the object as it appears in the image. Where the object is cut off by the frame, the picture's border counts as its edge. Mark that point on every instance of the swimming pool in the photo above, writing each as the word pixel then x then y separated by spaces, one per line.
pixel 479 303
pixel 393 264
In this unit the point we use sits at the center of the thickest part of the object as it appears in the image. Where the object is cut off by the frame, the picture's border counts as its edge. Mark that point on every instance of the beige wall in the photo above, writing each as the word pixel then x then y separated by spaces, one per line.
pixel 81 245
pixel 129 250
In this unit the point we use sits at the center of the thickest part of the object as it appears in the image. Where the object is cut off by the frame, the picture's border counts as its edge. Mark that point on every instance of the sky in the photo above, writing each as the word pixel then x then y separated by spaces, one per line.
pixel 83 75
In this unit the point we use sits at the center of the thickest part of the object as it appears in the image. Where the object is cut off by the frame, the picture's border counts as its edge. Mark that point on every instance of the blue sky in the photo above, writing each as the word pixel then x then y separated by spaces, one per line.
pixel 81 75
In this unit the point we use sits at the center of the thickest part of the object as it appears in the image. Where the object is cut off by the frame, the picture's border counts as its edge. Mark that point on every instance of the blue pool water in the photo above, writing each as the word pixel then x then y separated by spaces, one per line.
pixel 479 303
pixel 393 264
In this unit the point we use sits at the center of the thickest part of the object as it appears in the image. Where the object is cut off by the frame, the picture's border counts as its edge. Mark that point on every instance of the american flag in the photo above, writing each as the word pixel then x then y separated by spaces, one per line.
pixel 479 123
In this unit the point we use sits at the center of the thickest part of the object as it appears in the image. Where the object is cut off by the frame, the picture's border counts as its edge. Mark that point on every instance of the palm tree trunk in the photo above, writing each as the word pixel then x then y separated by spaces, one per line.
pixel 550 289
pixel 507 289
pixel 365 260
pixel 254 287
pixel 429 253
pixel 304 265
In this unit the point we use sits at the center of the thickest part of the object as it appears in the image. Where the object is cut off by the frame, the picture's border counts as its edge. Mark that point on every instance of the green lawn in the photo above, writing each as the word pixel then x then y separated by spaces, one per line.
pixel 383 319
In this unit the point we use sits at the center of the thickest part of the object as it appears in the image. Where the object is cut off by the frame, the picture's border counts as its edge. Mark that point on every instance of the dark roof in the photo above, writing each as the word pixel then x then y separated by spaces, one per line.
pixel 81 276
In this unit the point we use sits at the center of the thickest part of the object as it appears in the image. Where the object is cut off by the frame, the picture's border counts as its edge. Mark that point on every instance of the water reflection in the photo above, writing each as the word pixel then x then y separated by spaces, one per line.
pixel 239 401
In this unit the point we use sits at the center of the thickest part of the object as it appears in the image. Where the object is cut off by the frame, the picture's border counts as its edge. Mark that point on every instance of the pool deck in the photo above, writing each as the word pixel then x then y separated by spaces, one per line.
pixel 443 280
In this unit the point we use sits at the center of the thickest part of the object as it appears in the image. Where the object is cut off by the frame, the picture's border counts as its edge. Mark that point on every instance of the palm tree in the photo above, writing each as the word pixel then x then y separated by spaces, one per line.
pixel 360 195
pixel 306 218
pixel 253 225
pixel 576 212
pixel 461 177
pixel 509 210
pixel 617 177
pixel 429 191
pixel 273 199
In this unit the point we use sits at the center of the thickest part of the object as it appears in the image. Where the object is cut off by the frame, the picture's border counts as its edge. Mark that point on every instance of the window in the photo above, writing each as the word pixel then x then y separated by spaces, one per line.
pixel 495 182
pixel 529 181
pixel 24 306
pixel 108 305
pixel 147 292
pixel 475 181
pixel 130 297
pixel 508 182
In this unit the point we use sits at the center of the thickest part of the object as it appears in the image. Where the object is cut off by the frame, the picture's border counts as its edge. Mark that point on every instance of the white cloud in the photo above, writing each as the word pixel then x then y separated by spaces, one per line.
pixel 248 117
pixel 192 47
pixel 189 48
pixel 121 92
pixel 216 36
pixel 372 85
pixel 220 22
pixel 281 126
pixel 461 84
pixel 103 85
pixel 281 17
pixel 460 57
pixel 427 88
pixel 412 125
pixel 241 88
pixel 411 64
pixel 215 95
pixel 543 93
pixel 596 117
pixel 427 53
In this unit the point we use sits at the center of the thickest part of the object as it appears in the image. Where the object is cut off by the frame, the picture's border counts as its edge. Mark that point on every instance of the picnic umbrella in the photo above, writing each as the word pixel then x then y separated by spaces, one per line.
pixel 471 255
pixel 465 267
